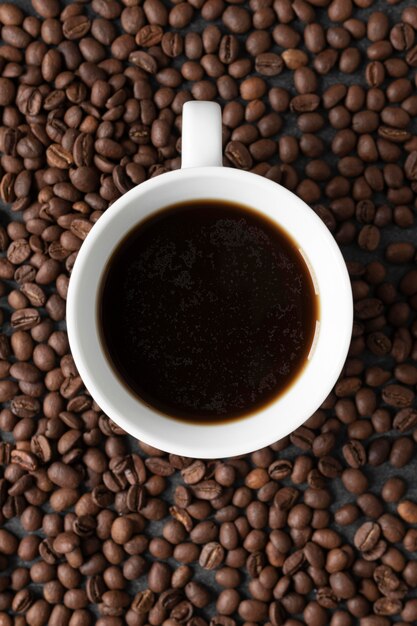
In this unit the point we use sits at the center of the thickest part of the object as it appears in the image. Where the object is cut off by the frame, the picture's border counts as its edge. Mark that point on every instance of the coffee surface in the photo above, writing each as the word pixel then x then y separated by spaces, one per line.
pixel 207 311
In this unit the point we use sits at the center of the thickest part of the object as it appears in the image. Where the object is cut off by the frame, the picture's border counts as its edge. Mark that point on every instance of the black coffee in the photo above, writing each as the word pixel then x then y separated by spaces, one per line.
pixel 208 311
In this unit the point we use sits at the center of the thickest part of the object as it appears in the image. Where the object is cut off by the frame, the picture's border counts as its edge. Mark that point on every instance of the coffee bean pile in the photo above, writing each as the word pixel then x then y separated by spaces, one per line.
pixel 317 529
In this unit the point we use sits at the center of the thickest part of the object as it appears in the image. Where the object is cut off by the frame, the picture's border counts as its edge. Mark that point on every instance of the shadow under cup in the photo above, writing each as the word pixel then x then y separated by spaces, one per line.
pixel 331 344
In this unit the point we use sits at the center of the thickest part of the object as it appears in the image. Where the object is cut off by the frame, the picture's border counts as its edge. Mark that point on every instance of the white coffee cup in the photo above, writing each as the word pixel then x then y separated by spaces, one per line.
pixel 202 176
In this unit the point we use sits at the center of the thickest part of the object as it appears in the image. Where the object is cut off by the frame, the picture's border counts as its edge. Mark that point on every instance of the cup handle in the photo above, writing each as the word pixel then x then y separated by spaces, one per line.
pixel 201 141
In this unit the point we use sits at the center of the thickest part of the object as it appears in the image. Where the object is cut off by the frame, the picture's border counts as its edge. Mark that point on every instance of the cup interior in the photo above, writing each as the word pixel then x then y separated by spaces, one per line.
pixel 326 358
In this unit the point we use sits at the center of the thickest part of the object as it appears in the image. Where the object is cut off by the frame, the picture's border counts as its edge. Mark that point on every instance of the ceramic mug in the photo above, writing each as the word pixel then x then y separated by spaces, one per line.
pixel 201 177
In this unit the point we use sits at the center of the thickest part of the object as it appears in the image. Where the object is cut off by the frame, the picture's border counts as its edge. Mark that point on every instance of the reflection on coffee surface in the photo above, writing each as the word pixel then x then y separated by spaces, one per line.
pixel 207 311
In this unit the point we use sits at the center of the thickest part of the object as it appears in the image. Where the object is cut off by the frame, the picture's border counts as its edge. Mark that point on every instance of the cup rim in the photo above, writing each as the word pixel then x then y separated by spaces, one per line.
pixel 113 408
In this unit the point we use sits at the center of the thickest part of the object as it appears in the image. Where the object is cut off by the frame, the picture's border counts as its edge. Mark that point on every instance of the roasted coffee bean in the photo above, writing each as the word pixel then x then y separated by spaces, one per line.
pixel 354 454
pixel 407 510
pixel 211 556
pixel 144 61
pixel 367 536
pixel 269 64
pixel 397 396
pixel 238 155
pixel 207 490
pixel 393 489
pixel 280 469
